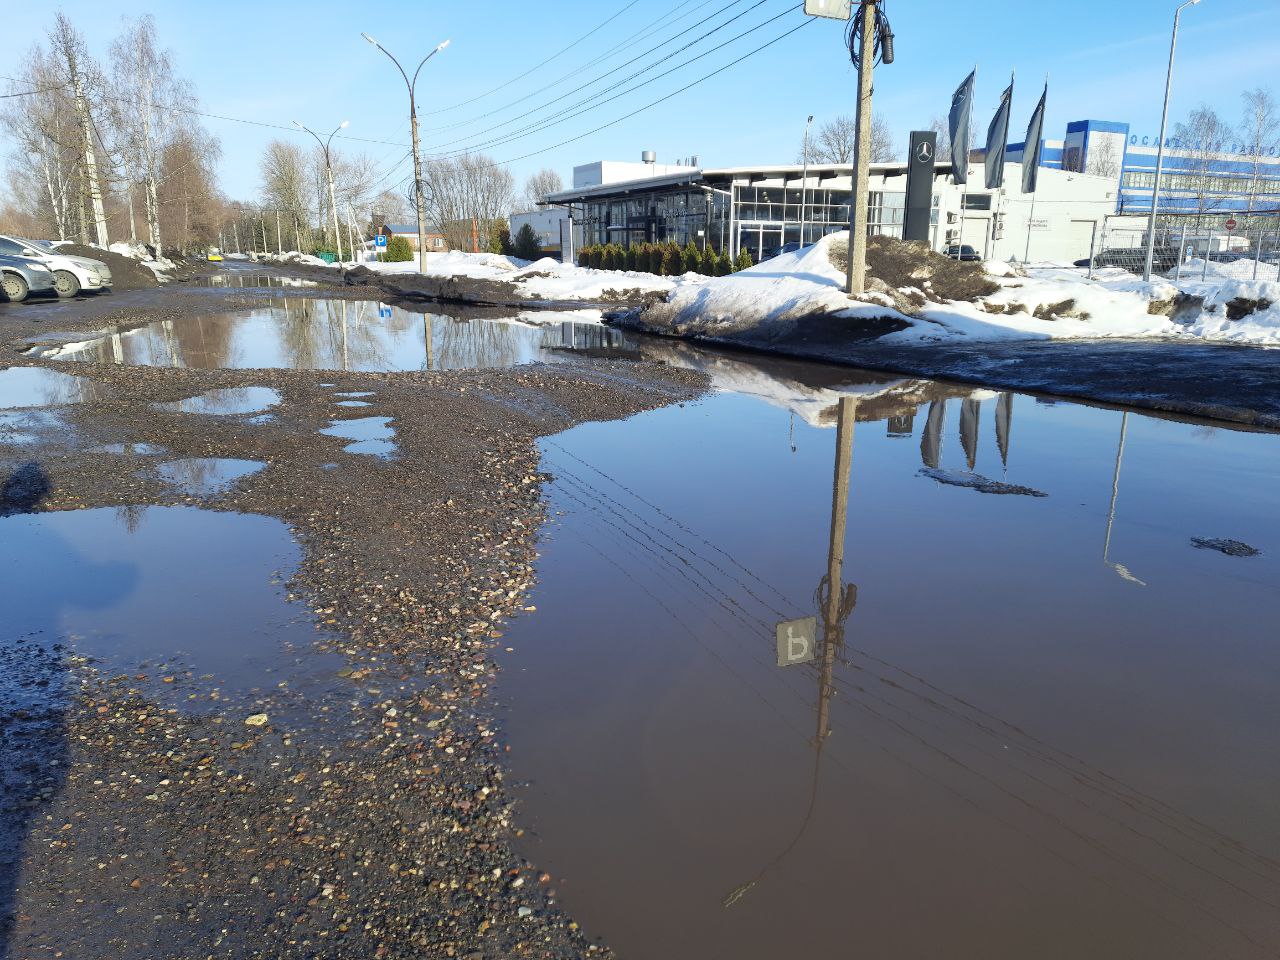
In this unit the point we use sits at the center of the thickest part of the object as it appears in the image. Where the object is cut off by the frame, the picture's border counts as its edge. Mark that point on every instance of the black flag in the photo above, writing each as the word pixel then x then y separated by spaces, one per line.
pixel 958 125
pixel 1031 147
pixel 998 139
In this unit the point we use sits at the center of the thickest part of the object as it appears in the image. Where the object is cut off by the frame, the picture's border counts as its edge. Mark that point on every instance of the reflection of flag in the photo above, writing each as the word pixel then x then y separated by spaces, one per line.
pixel 931 439
pixel 1004 421
pixel 969 411
pixel 997 140
pixel 958 126
pixel 1031 147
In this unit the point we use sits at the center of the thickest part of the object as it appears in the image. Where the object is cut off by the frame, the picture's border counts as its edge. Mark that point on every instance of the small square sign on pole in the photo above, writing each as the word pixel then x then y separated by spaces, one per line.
pixel 380 241
pixel 831 9
pixel 797 641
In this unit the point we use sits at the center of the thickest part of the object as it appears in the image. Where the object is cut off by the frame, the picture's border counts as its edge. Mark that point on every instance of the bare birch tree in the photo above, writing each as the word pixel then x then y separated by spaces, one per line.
pixel 1202 137
pixel 465 194
pixel 540 184
pixel 1260 133
pixel 80 71
pixel 836 141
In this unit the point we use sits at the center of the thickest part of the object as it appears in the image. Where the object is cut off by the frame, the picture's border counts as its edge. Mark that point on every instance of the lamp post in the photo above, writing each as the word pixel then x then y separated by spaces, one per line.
pixel 328 169
pixel 417 159
pixel 804 180
pixel 1164 120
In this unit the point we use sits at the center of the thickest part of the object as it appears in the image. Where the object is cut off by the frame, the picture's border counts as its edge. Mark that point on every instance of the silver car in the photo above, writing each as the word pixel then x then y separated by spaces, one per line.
pixel 20 277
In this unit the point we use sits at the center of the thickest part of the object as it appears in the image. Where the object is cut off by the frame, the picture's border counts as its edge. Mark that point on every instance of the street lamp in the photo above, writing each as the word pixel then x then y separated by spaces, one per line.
pixel 1164 119
pixel 417 160
pixel 328 169
pixel 804 180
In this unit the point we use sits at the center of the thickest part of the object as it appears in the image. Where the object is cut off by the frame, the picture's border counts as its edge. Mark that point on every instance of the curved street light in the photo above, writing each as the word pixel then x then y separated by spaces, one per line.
pixel 417 159
pixel 1164 120
pixel 328 169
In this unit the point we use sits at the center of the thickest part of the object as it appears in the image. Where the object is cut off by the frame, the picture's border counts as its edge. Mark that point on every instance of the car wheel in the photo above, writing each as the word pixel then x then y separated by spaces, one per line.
pixel 15 287
pixel 66 283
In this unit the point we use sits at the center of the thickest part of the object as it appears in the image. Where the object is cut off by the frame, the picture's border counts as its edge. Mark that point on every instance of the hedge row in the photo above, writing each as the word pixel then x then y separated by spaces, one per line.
pixel 665 259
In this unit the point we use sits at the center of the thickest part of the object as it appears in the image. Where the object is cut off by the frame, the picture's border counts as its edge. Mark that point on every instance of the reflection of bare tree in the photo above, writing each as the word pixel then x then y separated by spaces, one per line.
pixel 131 516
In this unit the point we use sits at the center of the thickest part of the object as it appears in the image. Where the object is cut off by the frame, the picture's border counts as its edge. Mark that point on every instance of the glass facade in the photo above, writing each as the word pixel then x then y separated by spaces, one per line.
pixel 764 217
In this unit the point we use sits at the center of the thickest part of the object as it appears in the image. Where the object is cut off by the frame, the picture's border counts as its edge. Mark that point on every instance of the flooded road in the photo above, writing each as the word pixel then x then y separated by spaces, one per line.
pixel 1036 717
pixel 322 334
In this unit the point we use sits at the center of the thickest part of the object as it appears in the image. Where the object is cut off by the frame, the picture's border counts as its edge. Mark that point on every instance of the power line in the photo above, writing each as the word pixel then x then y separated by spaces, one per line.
pixel 533 93
pixel 567 114
pixel 503 86
pixel 647 106
pixel 202 113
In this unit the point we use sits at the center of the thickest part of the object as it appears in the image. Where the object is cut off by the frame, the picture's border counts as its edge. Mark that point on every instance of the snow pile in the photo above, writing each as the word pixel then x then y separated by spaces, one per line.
pixel 765 299
pixel 160 266
pixel 1195 269
pixel 294 257
pixel 1240 311
pixel 544 279
pixel 1042 302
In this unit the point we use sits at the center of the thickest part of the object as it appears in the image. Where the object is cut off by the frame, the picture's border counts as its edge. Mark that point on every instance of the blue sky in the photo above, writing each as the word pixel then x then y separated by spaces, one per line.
pixel 274 62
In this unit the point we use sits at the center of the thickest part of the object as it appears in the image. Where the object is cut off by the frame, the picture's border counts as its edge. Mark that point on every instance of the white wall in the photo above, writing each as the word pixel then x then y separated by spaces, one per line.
pixel 620 171
pixel 545 223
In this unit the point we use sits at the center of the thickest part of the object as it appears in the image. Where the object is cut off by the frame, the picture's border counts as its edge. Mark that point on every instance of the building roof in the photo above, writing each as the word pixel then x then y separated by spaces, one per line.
pixel 401 227
pixel 732 173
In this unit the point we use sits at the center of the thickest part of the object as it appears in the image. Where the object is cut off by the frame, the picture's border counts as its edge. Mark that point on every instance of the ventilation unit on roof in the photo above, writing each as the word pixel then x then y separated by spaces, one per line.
pixel 649 157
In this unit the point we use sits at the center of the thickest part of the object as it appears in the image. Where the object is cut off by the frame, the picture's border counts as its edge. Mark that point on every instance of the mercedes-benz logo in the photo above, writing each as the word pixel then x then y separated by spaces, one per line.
pixel 924 152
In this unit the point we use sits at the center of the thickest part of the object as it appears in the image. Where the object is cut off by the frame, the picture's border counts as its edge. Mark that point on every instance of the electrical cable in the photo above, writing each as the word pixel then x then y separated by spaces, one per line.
pixel 566 113
pixel 603 76
pixel 674 93
pixel 504 85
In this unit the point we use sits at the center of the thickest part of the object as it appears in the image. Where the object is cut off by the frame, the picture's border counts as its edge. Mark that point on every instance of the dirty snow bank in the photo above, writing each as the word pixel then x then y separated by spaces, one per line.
pixel 544 279
pixel 768 301
pixel 160 266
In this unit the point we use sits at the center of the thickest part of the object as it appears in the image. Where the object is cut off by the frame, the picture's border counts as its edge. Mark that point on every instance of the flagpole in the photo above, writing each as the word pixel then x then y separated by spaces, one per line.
pixel 1026 252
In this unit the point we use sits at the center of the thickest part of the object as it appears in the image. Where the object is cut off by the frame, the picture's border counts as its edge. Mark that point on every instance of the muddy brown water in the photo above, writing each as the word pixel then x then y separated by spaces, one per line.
pixel 322 334
pixel 1047 726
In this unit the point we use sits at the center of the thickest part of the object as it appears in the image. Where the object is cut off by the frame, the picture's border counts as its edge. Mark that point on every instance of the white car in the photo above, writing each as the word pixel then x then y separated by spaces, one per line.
pixel 70 274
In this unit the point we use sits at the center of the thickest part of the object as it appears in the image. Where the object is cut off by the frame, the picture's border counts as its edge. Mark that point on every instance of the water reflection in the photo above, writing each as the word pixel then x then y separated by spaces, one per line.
pixel 322 334
pixel 1008 722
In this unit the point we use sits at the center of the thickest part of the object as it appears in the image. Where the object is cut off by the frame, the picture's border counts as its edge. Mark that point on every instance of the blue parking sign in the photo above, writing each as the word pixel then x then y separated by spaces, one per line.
pixel 380 240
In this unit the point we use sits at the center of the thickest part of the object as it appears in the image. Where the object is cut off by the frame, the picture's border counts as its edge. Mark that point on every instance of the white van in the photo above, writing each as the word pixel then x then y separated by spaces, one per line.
pixel 70 274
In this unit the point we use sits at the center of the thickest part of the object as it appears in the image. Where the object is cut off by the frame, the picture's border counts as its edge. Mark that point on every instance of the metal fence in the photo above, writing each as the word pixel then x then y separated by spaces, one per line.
pixel 1193 246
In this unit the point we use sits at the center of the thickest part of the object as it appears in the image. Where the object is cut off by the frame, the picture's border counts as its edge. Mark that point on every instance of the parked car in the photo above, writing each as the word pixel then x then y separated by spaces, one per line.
pixel 963 252
pixel 20 277
pixel 215 258
pixel 72 274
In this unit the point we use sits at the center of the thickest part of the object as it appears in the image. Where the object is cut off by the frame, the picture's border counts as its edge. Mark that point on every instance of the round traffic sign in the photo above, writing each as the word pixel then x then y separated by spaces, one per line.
pixel 1231 223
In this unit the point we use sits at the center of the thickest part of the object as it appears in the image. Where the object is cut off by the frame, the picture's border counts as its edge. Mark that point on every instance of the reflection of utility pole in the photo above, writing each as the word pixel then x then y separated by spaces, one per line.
pixel 426 337
pixel 837 602
pixel 837 599
pixel 345 360
pixel 1119 568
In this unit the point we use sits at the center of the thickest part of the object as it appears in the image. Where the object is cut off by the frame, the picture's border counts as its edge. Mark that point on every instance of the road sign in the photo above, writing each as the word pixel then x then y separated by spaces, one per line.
pixel 797 641
pixel 384 312
pixel 831 9
pixel 380 240
pixel 1231 223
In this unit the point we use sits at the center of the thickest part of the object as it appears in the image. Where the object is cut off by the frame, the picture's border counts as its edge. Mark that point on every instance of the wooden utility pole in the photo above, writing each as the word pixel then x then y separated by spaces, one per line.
pixel 856 276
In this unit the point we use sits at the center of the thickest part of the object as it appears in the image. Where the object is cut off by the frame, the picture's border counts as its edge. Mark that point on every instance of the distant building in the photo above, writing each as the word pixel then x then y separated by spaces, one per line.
pixel 762 208
pixel 435 241
pixel 1212 179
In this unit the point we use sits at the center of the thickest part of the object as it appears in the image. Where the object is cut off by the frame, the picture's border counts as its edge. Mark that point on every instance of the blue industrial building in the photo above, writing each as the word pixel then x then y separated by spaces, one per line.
pixel 1194 181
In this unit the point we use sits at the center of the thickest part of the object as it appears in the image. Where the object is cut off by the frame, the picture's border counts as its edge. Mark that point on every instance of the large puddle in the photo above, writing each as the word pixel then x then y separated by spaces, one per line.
pixel 173 592
pixel 321 334
pixel 1033 718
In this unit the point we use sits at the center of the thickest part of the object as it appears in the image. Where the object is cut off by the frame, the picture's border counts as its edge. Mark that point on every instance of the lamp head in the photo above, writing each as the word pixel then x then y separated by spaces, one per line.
pixel 447 42
pixel 343 125
pixel 298 125
pixel 370 39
